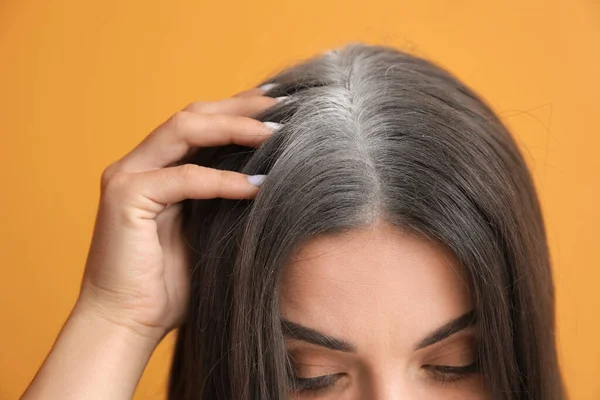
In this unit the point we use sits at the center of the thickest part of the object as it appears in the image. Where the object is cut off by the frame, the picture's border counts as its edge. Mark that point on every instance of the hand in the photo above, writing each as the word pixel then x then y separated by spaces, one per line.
pixel 136 273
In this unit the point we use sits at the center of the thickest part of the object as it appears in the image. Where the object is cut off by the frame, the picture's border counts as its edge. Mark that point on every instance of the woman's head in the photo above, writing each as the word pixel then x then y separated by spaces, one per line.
pixel 397 211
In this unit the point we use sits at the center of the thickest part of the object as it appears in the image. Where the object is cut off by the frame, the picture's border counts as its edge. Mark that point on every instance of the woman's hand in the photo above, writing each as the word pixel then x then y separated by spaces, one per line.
pixel 135 286
pixel 136 273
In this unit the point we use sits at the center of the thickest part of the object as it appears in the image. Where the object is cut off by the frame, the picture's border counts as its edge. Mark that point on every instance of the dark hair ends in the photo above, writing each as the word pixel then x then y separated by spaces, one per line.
pixel 370 133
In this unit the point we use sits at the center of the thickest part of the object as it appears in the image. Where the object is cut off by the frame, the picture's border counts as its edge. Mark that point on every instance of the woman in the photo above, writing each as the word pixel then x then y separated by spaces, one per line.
pixel 394 250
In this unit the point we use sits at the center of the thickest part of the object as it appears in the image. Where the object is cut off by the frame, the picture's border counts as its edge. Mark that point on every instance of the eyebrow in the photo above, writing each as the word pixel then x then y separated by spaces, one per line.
pixel 296 331
pixel 445 331
pixel 303 333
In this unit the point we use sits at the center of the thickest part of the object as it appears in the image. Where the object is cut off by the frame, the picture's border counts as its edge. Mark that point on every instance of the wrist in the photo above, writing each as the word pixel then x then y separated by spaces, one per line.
pixel 92 358
pixel 116 323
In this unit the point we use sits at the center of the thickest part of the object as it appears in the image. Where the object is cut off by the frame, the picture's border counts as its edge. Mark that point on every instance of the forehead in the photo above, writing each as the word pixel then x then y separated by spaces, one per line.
pixel 375 284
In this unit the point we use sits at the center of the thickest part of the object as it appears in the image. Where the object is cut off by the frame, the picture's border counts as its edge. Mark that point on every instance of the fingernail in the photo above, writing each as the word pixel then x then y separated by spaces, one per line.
pixel 268 86
pixel 256 180
pixel 282 98
pixel 274 126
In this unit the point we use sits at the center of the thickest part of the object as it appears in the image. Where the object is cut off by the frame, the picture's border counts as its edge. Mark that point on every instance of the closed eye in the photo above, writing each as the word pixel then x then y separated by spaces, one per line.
pixel 315 384
pixel 447 373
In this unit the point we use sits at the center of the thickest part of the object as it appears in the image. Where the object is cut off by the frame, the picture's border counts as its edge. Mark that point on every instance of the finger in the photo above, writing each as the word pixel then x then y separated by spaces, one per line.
pixel 246 106
pixel 151 191
pixel 257 91
pixel 174 139
pixel 250 93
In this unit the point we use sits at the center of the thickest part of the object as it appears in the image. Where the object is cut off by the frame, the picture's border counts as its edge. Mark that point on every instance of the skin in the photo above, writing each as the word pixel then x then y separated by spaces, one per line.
pixel 382 292
pixel 135 283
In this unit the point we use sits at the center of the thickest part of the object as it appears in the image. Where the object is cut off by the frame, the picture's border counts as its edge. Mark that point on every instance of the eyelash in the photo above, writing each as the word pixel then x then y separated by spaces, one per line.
pixel 317 384
pixel 443 374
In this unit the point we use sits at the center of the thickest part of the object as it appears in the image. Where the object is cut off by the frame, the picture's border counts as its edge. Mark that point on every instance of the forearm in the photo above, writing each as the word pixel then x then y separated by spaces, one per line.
pixel 92 358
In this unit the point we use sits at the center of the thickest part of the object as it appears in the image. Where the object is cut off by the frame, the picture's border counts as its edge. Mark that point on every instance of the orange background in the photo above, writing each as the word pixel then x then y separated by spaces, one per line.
pixel 82 82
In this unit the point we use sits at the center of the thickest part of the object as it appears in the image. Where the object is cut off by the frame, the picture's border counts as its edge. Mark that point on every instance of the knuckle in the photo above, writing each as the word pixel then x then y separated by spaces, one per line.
pixel 223 176
pixel 108 174
pixel 188 172
pixel 180 120
pixel 195 107
pixel 118 186
pixel 223 179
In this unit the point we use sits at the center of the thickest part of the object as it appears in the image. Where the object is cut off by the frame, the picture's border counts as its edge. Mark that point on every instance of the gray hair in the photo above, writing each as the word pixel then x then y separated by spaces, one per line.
pixel 369 133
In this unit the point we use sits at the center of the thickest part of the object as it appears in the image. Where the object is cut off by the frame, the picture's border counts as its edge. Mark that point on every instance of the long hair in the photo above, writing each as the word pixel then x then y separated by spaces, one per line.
pixel 370 132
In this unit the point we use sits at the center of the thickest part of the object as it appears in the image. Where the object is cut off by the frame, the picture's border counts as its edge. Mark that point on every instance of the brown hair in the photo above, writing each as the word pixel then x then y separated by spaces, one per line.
pixel 370 132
